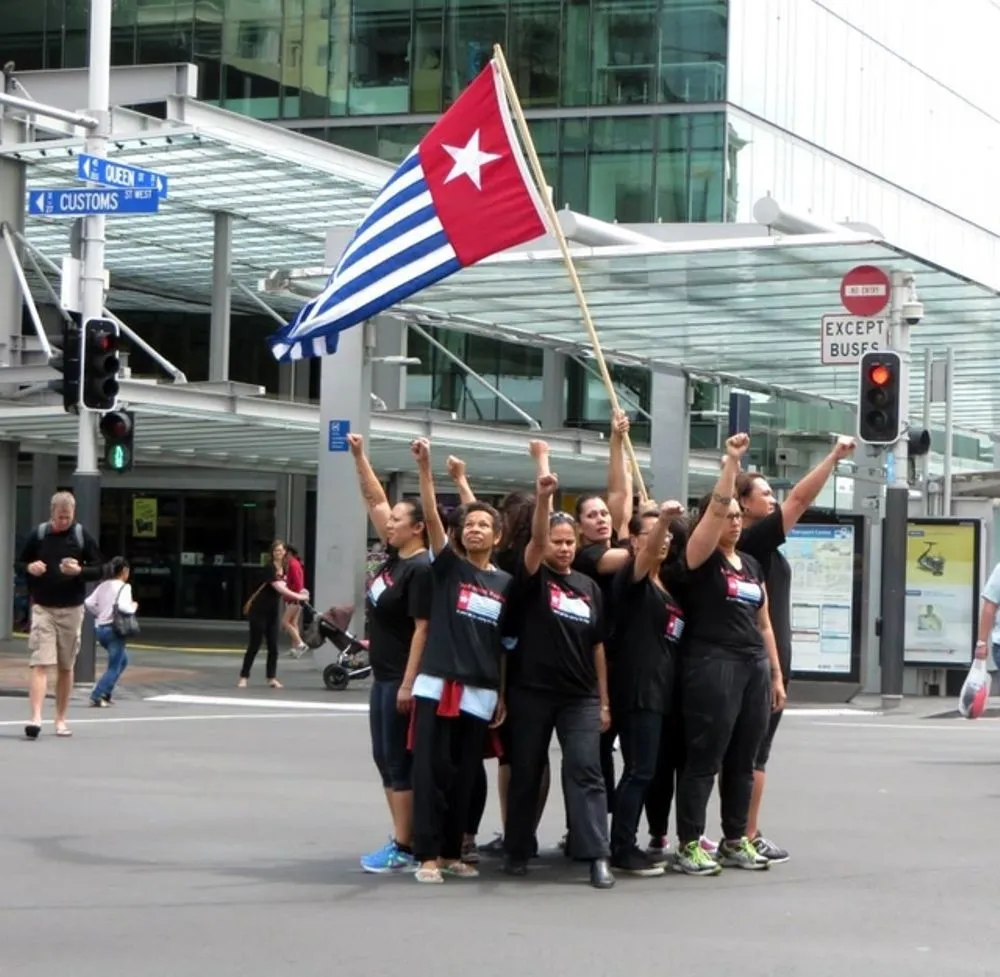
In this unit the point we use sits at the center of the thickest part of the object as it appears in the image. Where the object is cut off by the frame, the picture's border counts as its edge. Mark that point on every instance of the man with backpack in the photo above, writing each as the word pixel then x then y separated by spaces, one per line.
pixel 60 558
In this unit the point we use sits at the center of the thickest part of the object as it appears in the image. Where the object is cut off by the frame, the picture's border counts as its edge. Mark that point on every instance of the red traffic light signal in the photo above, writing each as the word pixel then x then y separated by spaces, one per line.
pixel 99 364
pixel 880 374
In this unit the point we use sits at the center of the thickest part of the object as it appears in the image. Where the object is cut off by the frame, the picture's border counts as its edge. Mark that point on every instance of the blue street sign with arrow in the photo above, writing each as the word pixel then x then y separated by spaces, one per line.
pixel 97 169
pixel 81 201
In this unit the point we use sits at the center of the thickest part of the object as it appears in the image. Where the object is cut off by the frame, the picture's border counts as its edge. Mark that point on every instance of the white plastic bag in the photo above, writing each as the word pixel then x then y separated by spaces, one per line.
pixel 975 694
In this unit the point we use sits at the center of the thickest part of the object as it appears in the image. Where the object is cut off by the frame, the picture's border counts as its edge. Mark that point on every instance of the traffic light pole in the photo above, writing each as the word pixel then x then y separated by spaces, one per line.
pixel 897 503
pixel 87 478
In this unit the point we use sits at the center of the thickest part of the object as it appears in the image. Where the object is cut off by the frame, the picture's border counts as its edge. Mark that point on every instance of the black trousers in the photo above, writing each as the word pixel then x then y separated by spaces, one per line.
pixel 266 630
pixel 477 801
pixel 669 763
pixel 608 762
pixel 726 701
pixel 447 757
pixel 577 722
pixel 640 732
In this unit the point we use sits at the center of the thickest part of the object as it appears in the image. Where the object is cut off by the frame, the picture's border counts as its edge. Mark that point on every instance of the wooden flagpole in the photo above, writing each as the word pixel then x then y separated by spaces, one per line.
pixel 539 175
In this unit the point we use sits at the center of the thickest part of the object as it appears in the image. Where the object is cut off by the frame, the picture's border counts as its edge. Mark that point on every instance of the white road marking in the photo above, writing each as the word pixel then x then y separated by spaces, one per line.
pixel 187 717
pixel 928 725
pixel 839 711
pixel 180 699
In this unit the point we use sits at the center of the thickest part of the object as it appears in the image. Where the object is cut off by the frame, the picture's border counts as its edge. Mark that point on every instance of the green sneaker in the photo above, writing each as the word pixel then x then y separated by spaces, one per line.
pixel 692 859
pixel 741 854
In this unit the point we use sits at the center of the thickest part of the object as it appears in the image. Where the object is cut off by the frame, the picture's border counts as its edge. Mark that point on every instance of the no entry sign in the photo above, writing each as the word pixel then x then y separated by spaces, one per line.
pixel 865 290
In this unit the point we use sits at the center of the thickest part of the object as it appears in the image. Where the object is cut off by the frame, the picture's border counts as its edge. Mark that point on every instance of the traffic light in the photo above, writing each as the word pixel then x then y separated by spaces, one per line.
pixel 100 365
pixel 118 430
pixel 878 398
pixel 67 362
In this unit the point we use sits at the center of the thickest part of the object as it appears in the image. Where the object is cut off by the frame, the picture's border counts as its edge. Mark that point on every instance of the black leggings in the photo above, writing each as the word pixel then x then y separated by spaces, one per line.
pixel 669 763
pixel 266 630
pixel 726 705
pixel 447 757
pixel 477 804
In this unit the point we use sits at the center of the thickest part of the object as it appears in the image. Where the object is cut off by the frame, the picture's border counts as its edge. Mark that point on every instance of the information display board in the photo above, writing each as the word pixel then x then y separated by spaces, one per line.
pixel 942 592
pixel 825 554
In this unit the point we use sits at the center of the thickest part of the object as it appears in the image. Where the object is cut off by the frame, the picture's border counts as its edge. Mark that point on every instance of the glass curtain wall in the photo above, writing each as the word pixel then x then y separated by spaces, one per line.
pixel 320 58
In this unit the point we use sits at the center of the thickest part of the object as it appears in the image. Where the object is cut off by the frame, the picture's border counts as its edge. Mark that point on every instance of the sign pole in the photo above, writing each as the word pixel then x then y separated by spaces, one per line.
pixel 897 502
pixel 87 478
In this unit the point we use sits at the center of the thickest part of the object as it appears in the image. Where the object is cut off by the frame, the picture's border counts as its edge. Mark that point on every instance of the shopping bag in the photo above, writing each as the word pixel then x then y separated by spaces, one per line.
pixel 975 690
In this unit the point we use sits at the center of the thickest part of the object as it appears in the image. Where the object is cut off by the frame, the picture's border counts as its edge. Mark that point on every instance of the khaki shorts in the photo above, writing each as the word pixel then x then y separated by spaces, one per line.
pixel 54 638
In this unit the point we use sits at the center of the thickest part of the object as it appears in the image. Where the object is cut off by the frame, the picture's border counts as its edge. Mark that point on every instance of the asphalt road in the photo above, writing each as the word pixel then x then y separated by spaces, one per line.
pixel 188 839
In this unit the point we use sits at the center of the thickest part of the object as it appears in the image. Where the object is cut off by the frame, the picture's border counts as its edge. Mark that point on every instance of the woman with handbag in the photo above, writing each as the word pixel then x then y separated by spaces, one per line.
pixel 114 612
pixel 263 612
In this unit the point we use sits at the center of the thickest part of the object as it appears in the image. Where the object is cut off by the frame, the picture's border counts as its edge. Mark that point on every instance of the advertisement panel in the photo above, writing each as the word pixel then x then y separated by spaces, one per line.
pixel 942 591
pixel 825 558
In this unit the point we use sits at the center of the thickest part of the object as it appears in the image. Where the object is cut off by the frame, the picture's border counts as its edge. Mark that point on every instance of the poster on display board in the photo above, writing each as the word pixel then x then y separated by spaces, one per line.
pixel 942 592
pixel 825 552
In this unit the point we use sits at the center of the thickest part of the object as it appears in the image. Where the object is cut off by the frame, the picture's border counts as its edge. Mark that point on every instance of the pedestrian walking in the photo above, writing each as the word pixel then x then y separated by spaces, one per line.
pixel 113 608
pixel 60 558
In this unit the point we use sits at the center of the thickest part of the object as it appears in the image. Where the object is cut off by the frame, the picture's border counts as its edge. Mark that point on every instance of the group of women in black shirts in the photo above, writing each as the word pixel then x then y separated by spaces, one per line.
pixel 657 628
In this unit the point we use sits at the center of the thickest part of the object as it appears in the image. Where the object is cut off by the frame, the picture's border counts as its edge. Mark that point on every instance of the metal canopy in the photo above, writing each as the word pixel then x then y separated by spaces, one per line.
pixel 180 425
pixel 749 308
pixel 283 190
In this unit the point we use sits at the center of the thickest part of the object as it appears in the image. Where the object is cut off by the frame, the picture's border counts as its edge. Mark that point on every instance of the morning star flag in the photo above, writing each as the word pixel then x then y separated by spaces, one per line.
pixel 464 193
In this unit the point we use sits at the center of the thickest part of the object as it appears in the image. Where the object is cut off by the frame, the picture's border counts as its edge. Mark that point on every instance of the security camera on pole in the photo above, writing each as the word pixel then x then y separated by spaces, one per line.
pixel 883 420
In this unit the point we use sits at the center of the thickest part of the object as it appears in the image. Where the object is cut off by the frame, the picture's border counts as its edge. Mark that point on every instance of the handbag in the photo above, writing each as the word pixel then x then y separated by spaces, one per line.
pixel 123 623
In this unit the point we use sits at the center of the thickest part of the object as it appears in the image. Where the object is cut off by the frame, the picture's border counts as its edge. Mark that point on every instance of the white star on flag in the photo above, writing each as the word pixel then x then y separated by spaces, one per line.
pixel 469 160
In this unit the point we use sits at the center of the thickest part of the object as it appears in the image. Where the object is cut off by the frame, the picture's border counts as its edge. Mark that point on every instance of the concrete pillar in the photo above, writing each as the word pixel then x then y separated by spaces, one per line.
pixel 290 498
pixel 8 533
pixel 670 436
pixel 222 258
pixel 341 522
pixel 553 390
pixel 12 197
pixel 44 484
pixel 388 379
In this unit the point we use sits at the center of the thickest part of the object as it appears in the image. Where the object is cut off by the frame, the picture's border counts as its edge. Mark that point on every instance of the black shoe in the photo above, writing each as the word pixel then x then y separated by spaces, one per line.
pixel 514 867
pixel 534 848
pixel 636 862
pixel 31 731
pixel 494 848
pixel 600 874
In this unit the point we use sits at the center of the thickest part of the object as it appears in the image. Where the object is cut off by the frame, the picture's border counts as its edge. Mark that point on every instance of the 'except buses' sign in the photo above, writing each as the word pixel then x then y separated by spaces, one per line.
pixel 844 339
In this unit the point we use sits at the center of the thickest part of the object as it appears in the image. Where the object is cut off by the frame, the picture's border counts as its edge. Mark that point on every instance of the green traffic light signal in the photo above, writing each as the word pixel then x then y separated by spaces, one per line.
pixel 117 457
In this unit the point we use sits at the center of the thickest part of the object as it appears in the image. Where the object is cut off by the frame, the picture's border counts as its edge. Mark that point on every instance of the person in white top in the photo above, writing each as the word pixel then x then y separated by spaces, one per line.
pixel 113 593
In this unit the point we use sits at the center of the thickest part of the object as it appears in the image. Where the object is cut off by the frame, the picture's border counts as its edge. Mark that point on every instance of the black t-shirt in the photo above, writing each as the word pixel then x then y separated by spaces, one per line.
pixel 648 628
pixel 266 604
pixel 721 604
pixel 399 595
pixel 463 639
pixel 761 541
pixel 587 558
pixel 562 617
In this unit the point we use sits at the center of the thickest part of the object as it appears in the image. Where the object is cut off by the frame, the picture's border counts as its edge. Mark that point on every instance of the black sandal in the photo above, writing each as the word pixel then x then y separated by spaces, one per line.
pixel 31 731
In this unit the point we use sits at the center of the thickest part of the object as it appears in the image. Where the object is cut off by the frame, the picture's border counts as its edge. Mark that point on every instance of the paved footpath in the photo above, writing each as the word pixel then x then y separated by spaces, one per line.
pixel 221 837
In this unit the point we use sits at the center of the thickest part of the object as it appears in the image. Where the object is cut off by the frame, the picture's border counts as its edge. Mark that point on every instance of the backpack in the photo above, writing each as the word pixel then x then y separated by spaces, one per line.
pixel 43 531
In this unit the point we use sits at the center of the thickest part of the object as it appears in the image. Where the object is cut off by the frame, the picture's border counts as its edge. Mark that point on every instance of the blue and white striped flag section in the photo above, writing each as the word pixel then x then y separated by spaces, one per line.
pixel 462 194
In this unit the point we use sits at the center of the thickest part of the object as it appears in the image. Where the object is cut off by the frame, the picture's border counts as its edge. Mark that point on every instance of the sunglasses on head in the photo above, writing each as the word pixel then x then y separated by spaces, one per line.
pixel 560 517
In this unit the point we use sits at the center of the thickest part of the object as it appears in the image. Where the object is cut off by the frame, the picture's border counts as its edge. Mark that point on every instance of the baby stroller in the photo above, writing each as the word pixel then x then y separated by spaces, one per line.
pixel 351 660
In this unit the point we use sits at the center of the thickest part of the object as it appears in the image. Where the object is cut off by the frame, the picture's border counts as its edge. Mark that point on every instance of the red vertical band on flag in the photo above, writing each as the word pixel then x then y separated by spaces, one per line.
pixel 477 176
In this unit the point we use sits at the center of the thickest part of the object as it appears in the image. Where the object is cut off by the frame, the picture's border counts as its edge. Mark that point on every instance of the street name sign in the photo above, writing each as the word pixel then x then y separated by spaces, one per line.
pixel 844 339
pixel 97 169
pixel 81 202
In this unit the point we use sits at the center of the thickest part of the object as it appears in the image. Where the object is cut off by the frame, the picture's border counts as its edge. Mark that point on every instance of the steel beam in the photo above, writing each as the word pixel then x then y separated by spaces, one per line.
pixel 130 84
